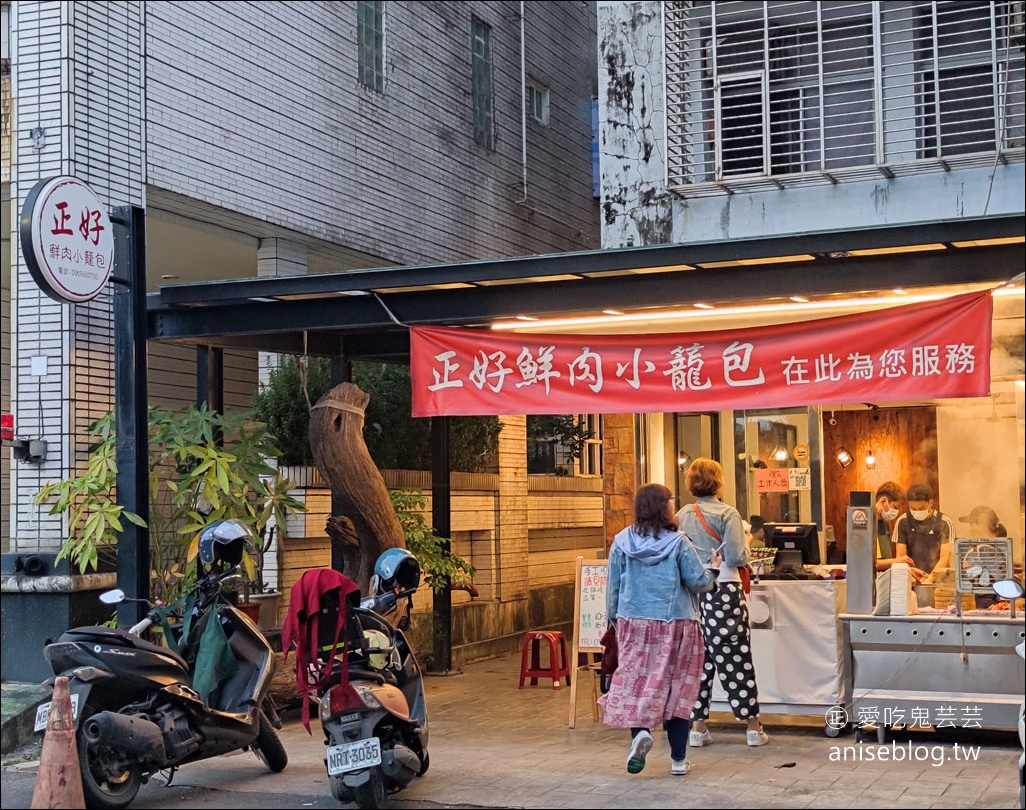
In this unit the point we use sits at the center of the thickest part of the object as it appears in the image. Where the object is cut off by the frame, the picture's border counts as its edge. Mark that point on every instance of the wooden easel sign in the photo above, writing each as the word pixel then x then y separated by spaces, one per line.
pixel 589 619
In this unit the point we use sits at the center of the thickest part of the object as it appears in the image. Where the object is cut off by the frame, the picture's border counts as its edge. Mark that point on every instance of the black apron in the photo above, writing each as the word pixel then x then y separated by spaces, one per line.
pixel 924 539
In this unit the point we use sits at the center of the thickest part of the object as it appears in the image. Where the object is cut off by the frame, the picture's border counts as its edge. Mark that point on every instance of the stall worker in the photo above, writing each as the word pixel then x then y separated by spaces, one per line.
pixel 890 500
pixel 924 533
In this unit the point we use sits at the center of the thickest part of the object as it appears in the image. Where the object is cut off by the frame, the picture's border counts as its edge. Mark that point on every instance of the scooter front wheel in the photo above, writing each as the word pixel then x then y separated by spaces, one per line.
pixel 371 794
pixel 268 746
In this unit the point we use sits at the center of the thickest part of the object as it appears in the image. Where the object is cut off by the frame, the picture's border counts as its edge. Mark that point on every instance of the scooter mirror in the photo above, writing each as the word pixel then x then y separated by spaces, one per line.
pixel 1008 589
pixel 112 597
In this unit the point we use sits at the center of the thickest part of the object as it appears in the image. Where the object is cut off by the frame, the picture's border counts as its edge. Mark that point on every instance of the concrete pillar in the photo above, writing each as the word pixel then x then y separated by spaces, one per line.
pixel 276 257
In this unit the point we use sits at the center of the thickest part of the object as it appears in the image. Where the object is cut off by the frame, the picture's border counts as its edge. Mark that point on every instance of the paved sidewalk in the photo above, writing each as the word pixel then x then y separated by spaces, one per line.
pixel 495 745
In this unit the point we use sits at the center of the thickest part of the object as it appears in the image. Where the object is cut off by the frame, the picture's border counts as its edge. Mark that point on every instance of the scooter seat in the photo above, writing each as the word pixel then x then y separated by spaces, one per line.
pixel 120 638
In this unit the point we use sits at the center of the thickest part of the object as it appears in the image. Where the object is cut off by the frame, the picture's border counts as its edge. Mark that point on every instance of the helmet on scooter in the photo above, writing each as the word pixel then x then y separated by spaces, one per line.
pixel 397 568
pixel 223 541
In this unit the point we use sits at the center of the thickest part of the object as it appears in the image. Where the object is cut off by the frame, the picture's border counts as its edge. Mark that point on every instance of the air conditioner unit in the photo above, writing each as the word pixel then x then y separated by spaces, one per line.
pixel 981 563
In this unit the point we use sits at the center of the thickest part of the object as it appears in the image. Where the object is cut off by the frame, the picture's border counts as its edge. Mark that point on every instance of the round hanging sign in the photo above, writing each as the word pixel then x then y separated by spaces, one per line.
pixel 800 452
pixel 67 239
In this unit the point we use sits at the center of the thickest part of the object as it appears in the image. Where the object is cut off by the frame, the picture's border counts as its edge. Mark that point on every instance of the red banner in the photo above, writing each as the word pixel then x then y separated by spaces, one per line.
pixel 934 350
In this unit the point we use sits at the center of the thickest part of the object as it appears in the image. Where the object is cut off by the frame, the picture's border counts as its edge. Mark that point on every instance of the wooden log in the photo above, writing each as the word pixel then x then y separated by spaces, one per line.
pixel 341 455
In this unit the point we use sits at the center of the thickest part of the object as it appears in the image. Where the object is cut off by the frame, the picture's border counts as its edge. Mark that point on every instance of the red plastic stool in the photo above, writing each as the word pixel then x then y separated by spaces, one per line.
pixel 559 666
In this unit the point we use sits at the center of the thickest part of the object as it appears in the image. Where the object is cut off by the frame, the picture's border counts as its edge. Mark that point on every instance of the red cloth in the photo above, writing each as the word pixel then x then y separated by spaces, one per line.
pixel 313 666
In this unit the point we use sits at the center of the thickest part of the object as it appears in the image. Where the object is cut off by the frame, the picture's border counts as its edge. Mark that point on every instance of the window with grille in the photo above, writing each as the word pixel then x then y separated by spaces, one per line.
pixel 370 37
pixel 767 95
pixel 481 81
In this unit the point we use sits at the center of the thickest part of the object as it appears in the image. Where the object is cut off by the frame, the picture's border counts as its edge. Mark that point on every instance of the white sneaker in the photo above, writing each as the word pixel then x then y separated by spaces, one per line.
pixel 756 738
pixel 696 739
pixel 640 746
pixel 680 767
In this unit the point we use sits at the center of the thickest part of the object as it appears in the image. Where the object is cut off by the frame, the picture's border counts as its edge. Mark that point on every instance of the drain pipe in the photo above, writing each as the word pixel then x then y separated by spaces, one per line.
pixel 523 102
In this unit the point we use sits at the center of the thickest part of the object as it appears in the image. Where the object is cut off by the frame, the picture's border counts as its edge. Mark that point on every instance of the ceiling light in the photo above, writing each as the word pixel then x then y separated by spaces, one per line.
pixel 780 454
pixel 720 313
pixel 1007 240
pixel 844 458
pixel 802 257
pixel 870 459
pixel 897 249
pixel 526 318
pixel 799 299
pixel 700 305
pixel 899 291
pixel 683 461
pixel 612 312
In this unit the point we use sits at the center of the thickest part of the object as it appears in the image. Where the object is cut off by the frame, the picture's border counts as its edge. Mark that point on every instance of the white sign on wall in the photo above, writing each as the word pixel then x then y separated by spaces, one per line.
pixel 67 239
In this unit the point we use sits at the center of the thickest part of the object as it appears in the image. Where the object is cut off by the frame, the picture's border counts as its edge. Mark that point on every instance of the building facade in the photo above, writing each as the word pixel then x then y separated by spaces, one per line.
pixel 274 139
pixel 726 121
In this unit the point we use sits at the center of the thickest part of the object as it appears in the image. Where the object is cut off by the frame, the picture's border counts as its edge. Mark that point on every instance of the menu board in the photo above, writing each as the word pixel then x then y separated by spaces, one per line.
pixel 589 623
pixel 590 601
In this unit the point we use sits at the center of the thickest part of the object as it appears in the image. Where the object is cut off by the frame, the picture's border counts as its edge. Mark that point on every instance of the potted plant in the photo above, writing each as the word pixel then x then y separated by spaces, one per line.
pixel 203 466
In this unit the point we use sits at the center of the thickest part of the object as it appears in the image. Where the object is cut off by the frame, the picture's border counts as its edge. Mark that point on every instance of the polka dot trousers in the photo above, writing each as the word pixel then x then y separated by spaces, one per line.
pixel 728 652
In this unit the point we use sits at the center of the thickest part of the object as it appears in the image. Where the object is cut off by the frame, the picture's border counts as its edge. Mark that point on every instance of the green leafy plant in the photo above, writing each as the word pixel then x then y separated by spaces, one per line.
pixel 203 466
pixel 283 404
pixel 399 441
pixel 439 566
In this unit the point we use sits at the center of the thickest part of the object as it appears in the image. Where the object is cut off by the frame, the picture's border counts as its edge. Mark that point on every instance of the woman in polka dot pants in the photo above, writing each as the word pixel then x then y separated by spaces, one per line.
pixel 710 524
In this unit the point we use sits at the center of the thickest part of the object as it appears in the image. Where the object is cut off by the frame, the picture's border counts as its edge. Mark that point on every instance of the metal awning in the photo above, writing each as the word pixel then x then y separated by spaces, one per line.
pixel 363 313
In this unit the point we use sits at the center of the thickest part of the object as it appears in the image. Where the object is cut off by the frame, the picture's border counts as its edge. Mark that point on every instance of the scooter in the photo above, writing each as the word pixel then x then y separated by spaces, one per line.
pixel 1011 589
pixel 144 707
pixel 380 745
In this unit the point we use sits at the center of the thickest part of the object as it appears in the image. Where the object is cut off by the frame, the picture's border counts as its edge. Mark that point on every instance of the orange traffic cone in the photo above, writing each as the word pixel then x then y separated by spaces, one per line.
pixel 59 783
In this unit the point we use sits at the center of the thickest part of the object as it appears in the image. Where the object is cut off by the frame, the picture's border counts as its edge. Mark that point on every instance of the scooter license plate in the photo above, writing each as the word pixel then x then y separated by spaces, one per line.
pixel 354 756
pixel 43 713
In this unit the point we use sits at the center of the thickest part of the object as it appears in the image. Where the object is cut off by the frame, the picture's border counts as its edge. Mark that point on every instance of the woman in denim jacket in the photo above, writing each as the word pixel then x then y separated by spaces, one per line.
pixel 655 575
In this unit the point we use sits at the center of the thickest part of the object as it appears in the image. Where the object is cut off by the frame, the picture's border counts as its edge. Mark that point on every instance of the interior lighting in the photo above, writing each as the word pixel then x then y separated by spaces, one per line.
pixel 844 458
pixel 683 461
pixel 870 459
pixel 721 312
pixel 780 454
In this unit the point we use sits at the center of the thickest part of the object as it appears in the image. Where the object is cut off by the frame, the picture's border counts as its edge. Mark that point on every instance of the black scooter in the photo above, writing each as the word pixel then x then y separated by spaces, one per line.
pixel 138 708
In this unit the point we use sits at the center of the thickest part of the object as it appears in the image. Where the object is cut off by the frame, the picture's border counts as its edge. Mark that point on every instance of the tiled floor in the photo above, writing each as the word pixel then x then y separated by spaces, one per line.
pixel 495 745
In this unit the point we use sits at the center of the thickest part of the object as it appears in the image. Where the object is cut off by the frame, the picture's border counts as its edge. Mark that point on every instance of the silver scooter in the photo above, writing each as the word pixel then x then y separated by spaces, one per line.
pixel 1011 589
pixel 378 747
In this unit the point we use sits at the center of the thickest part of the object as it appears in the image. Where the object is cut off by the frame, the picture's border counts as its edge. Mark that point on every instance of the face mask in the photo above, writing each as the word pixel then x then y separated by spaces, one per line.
pixel 890 514
pixel 918 514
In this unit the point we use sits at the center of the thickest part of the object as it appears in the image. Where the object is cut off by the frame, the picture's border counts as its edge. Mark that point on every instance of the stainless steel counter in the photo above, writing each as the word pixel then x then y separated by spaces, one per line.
pixel 938 670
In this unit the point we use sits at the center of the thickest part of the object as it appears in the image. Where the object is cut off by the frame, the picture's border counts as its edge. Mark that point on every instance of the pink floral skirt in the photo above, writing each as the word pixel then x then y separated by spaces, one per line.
pixel 659 672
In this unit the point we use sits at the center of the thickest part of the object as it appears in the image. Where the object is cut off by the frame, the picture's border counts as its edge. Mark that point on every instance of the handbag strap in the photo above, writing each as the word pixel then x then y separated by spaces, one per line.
pixel 705 523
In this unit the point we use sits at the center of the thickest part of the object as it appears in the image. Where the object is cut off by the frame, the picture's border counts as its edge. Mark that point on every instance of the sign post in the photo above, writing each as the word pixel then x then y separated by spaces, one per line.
pixel 71 246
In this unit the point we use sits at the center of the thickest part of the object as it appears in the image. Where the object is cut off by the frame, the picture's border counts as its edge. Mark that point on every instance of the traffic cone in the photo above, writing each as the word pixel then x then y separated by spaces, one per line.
pixel 59 783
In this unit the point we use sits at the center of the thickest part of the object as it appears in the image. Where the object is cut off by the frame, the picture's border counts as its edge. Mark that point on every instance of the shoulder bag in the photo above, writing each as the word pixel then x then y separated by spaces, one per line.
pixel 743 571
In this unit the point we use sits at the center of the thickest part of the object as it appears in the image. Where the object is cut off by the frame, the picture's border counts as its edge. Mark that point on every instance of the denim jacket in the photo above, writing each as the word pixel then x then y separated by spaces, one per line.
pixel 655 577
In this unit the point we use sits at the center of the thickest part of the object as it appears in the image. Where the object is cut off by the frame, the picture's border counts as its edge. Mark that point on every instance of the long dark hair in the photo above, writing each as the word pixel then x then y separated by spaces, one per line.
pixel 650 510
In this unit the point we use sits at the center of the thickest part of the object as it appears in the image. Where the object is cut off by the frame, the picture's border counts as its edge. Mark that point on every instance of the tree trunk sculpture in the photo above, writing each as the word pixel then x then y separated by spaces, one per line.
pixel 340 453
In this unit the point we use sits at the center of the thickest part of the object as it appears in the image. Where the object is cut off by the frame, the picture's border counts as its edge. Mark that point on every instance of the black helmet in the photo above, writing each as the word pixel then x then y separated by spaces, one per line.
pixel 397 568
pixel 223 541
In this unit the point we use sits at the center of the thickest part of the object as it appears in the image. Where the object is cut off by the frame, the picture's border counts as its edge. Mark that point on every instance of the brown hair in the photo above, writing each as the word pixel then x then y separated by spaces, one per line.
pixel 650 510
pixel 891 490
pixel 705 477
